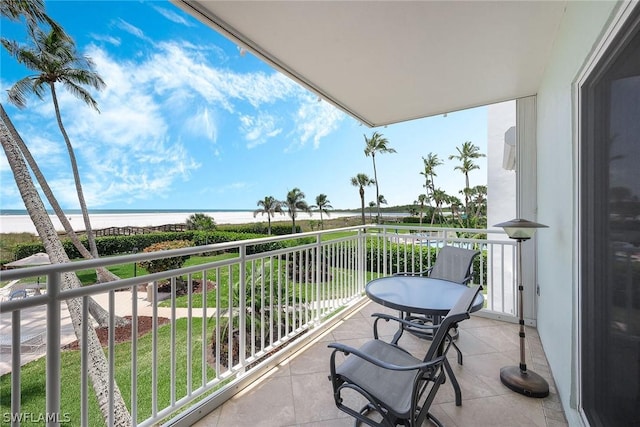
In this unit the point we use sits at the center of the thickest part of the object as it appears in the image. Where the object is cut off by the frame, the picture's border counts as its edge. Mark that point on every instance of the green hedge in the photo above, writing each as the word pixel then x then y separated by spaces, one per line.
pixel 259 228
pixel 397 262
pixel 119 245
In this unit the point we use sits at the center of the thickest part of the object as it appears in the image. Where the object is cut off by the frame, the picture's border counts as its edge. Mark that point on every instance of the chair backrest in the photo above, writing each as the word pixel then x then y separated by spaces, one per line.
pixel 453 264
pixel 458 313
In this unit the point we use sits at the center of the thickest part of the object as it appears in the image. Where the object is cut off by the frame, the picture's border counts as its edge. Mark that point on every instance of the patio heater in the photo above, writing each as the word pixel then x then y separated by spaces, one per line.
pixel 518 378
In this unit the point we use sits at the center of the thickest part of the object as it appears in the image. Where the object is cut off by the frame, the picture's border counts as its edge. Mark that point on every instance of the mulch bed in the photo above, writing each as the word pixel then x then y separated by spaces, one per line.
pixel 122 333
pixel 145 324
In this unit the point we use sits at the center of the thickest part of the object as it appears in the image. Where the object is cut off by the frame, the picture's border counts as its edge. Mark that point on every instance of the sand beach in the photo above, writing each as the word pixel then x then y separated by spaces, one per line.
pixel 22 223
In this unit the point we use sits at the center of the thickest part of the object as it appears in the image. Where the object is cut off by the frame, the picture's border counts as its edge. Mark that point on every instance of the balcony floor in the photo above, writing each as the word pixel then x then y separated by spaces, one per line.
pixel 298 392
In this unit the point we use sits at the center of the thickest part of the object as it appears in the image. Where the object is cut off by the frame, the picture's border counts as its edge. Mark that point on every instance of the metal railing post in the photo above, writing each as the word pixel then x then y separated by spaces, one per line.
pixel 242 309
pixel 53 347
pixel 15 367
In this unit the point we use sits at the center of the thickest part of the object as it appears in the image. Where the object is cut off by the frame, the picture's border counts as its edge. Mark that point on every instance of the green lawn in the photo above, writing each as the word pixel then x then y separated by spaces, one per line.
pixel 33 375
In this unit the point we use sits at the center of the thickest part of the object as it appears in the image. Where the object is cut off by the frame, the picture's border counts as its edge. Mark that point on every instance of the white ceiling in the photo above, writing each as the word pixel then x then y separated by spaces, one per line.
pixel 389 61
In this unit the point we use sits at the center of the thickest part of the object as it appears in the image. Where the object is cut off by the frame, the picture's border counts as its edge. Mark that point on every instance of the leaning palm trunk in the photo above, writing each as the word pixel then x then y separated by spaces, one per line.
pixel 96 310
pixel 98 366
pixel 76 176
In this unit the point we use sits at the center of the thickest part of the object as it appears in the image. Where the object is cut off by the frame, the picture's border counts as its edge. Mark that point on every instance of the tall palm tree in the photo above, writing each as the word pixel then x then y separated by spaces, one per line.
pixel 295 202
pixel 53 56
pixel 322 204
pixel 362 180
pixel 430 163
pixel 269 206
pixel 98 365
pixel 372 205
pixel 376 144
pixel 466 154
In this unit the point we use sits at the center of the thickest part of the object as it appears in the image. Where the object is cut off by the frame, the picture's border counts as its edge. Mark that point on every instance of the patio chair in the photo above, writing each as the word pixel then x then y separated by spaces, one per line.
pixel 453 264
pixel 397 386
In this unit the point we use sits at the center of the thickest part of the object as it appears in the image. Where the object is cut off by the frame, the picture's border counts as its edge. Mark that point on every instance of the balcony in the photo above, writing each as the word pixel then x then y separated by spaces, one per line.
pixel 276 302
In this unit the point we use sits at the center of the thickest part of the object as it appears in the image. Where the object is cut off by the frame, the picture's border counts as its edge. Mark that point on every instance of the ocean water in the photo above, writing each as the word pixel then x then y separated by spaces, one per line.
pixel 18 221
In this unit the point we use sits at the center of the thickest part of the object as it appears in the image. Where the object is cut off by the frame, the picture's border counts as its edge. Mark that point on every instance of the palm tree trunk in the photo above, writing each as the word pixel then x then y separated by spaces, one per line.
pixel 362 204
pixel 76 176
pixel 375 177
pixel 98 366
pixel 96 310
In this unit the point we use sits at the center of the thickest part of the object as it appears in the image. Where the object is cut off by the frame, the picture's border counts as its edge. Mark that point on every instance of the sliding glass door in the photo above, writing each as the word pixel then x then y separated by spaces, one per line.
pixel 610 234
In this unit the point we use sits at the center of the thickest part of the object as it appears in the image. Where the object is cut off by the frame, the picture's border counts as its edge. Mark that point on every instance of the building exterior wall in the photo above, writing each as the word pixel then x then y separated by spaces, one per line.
pixel 557 186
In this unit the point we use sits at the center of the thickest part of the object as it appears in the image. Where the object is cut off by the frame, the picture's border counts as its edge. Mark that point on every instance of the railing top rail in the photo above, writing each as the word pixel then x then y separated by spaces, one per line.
pixel 88 264
pixel 142 256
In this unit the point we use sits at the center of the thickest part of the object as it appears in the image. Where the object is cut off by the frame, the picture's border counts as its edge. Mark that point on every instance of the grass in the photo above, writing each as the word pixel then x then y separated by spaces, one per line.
pixel 33 376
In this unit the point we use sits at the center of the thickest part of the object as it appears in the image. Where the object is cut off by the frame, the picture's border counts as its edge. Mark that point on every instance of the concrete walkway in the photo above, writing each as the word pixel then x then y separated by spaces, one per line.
pixel 34 322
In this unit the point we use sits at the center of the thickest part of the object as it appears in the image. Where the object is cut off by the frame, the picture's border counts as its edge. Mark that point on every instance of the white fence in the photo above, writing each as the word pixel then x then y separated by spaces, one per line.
pixel 259 301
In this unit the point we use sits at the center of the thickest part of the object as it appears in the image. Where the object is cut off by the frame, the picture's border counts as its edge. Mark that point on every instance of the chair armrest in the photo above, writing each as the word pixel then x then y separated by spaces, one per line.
pixel 406 323
pixel 347 350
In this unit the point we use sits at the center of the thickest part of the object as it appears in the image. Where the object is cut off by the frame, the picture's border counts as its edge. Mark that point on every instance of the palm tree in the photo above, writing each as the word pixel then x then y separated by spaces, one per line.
pixel 269 206
pixel 455 204
pixel 466 154
pixel 430 163
pixel 200 221
pixel 97 364
pixel 295 202
pixel 422 198
pixel 439 198
pixel 479 199
pixel 322 204
pixel 53 56
pixel 376 144
pixel 362 180
pixel 371 206
pixel 33 11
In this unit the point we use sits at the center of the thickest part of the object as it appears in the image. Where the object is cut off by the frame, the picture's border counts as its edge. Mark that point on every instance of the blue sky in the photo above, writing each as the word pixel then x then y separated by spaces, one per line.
pixel 187 122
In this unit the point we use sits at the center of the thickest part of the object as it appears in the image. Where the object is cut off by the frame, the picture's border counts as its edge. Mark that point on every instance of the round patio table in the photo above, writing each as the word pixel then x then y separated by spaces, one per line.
pixel 418 294
pixel 423 295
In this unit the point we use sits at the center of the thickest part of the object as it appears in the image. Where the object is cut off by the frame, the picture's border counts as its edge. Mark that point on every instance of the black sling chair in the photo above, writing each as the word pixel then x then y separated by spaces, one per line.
pixel 397 385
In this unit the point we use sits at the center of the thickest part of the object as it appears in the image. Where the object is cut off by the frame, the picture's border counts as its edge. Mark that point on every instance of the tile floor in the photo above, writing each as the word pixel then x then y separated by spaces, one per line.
pixel 298 392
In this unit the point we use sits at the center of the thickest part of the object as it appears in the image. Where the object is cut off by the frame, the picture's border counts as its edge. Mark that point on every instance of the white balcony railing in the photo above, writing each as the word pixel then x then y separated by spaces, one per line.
pixel 260 300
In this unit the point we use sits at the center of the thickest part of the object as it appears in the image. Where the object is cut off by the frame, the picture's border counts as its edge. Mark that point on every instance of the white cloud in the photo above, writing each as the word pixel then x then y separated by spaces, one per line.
pixel 134 150
pixel 315 120
pixel 203 124
pixel 173 16
pixel 106 38
pixel 257 129
pixel 131 29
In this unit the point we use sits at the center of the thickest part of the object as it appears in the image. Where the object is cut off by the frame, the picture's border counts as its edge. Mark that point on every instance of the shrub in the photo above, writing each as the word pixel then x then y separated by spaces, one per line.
pixel 200 221
pixel 164 264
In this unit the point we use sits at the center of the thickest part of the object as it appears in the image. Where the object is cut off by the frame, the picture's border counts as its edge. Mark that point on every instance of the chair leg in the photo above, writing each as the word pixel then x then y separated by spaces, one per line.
pixel 434 420
pixel 458 351
pixel 454 382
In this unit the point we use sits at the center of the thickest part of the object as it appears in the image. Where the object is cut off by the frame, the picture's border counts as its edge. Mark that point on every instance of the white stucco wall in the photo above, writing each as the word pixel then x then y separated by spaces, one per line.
pixel 557 185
